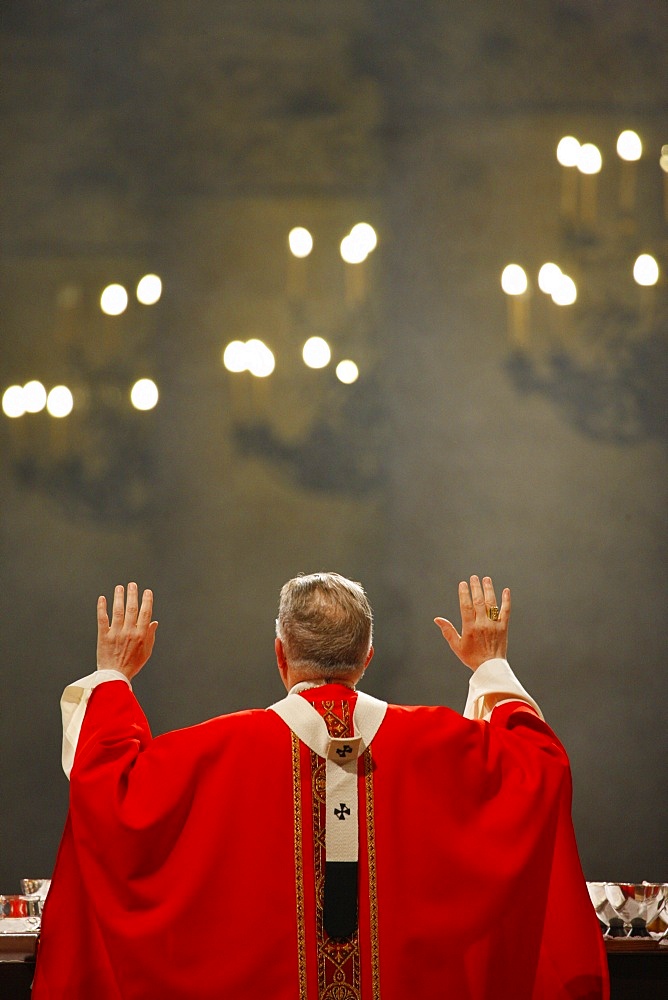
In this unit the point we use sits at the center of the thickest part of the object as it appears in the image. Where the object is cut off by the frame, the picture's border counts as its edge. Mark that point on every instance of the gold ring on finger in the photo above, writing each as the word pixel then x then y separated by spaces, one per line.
pixel 493 613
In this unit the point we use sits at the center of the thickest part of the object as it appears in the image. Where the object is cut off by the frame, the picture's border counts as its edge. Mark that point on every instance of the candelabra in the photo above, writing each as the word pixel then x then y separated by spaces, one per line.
pixel 86 444
pixel 593 340
pixel 308 403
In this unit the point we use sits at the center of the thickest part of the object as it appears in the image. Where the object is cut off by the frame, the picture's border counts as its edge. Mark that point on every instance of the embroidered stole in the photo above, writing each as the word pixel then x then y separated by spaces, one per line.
pixel 338 744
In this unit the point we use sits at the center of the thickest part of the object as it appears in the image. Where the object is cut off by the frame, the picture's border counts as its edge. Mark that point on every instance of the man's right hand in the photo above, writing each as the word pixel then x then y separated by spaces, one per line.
pixel 127 643
pixel 481 638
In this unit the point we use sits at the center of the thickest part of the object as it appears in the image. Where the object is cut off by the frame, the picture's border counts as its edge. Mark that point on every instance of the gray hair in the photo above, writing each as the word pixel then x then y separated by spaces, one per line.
pixel 325 623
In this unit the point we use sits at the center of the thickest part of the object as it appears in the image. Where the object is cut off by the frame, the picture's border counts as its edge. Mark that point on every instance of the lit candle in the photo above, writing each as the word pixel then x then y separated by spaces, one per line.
pixel 300 243
pixel 59 405
pixel 353 254
pixel 646 275
pixel 629 150
pixel 567 155
pixel 515 284
pixel 663 163
pixel 589 164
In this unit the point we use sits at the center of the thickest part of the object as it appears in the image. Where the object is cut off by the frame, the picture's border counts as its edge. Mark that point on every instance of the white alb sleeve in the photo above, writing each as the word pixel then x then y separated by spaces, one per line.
pixel 494 678
pixel 73 708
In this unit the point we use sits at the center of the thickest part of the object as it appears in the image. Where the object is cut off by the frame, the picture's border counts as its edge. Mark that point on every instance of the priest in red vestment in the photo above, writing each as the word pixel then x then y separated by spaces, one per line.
pixel 330 847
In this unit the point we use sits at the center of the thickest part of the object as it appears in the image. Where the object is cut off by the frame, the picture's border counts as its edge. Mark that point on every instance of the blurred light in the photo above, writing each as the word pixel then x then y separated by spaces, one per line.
pixel 353 251
pixel 347 372
pixel 548 276
pixel 114 300
pixel 514 280
pixel 663 162
pixel 646 270
pixel 365 235
pixel 144 394
pixel 564 293
pixel 234 356
pixel 316 352
pixel 254 356
pixel 34 396
pixel 259 359
pixel 629 146
pixel 590 160
pixel 13 403
pixel 149 290
pixel 568 150
pixel 300 242
pixel 60 401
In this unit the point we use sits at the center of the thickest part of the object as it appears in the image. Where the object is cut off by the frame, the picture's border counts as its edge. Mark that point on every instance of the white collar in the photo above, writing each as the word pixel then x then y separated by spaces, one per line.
pixel 321 682
pixel 307 723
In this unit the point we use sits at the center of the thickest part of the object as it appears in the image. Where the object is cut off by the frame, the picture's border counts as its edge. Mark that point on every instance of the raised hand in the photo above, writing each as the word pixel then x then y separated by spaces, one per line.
pixel 482 637
pixel 127 643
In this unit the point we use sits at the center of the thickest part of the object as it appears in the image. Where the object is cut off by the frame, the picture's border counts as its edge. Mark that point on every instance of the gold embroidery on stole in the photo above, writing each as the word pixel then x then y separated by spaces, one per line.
pixel 371 855
pixel 299 867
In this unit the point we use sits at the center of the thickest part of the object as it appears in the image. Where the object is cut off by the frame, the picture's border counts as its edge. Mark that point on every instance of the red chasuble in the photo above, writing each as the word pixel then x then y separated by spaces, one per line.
pixel 192 865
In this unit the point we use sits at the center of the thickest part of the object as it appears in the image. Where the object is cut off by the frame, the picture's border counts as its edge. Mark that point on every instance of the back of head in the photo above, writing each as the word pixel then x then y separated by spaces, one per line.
pixel 325 624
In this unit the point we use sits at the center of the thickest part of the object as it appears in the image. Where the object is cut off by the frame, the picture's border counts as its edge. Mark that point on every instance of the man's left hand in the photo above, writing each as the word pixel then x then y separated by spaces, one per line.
pixel 482 638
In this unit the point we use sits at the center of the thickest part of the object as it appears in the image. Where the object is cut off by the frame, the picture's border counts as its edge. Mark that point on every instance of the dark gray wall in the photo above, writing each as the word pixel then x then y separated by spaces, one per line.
pixel 187 139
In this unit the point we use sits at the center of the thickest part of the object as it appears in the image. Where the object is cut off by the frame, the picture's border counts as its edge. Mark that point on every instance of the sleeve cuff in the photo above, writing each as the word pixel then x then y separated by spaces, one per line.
pixel 73 709
pixel 492 684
